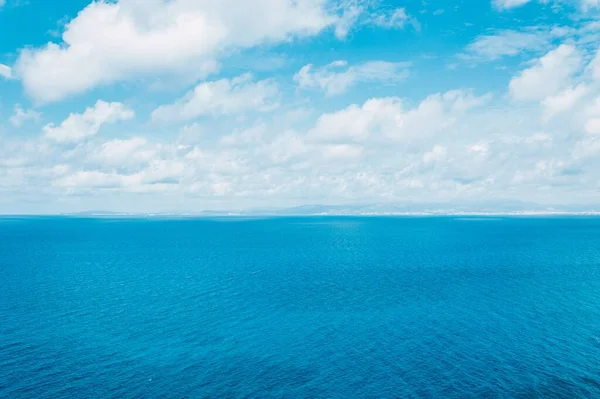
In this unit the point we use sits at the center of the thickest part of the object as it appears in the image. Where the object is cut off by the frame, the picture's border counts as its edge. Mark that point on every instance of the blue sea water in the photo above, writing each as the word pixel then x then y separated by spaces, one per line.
pixel 300 308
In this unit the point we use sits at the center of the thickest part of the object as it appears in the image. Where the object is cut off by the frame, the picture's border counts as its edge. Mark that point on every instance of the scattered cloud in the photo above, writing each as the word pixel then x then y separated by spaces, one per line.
pixel 20 116
pixel 349 17
pixel 509 43
pixel 380 149
pixel 361 13
pixel 216 142
pixel 337 77
pixel 125 152
pixel 508 4
pixel 221 97
pixel 396 19
pixel 583 5
pixel 391 119
pixel 78 127
pixel 6 71
pixel 588 5
pixel 528 41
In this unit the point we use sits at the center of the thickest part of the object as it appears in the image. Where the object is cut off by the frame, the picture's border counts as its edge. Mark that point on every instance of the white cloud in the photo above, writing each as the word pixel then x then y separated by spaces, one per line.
pixel 2 3
pixel 509 43
pixel 591 116
pixel 190 133
pixel 358 13
pixel 286 147
pixel 6 71
pixel 592 126
pixel 548 75
pixel 563 101
pixel 156 176
pixel 271 160
pixel 375 117
pixel 533 40
pixel 588 5
pixel 390 118
pixel 508 4
pixel 245 137
pixel 122 153
pixel 584 5
pixel 222 97
pixel 594 66
pixel 437 154
pixel 337 77
pixel 78 127
pixel 114 41
pixel 342 151
pixel 20 116
pixel 347 20
pixel 398 18
pixel 89 179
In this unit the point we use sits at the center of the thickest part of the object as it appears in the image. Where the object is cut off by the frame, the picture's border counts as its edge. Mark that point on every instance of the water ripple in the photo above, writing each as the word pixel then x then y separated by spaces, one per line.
pixel 302 308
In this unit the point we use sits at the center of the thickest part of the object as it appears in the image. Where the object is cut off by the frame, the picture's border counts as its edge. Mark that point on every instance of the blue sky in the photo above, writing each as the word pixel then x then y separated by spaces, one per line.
pixel 185 105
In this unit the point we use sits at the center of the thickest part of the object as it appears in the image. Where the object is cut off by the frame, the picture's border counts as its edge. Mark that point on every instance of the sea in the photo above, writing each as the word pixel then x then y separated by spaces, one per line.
pixel 300 307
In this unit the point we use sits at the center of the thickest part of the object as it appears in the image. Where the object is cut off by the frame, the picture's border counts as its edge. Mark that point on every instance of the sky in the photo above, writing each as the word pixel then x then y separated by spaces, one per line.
pixel 190 105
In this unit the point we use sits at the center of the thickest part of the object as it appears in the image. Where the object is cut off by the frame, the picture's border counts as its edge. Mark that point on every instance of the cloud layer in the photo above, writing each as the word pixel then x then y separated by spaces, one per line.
pixel 94 120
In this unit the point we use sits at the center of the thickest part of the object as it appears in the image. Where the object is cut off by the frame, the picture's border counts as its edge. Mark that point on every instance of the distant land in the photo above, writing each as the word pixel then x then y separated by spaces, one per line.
pixel 406 209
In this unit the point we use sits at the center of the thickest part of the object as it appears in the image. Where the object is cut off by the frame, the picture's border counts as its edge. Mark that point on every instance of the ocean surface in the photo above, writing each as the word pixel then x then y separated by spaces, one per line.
pixel 300 308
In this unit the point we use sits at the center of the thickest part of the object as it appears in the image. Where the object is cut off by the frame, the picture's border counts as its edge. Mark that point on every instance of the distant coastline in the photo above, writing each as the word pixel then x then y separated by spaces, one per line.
pixel 464 209
pixel 323 214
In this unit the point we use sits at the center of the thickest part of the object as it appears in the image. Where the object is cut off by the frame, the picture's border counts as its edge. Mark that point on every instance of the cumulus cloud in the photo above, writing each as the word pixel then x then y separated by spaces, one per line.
pixel 337 77
pixel 548 75
pixel 391 118
pixel 78 127
pixel 20 116
pixel 221 97
pixel 566 89
pixel 114 41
